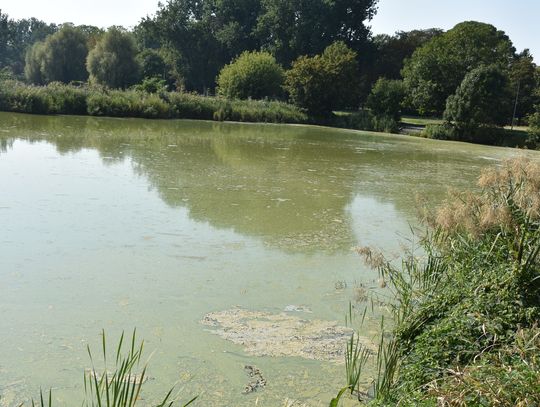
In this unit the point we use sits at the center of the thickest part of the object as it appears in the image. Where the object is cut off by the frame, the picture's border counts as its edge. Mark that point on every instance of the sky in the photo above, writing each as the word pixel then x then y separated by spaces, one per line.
pixel 520 19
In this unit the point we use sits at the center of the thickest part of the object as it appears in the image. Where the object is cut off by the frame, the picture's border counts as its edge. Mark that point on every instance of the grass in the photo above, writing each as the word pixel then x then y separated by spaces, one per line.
pixel 466 314
pixel 420 121
pixel 120 382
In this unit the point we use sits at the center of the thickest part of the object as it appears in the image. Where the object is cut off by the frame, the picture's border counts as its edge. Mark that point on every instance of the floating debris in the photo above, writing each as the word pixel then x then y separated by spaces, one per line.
pixel 267 334
pixel 257 382
pixel 297 308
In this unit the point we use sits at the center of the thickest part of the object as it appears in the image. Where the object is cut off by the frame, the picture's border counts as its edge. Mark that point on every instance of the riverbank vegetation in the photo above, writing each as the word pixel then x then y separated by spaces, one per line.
pixel 58 98
pixel 466 314
pixel 270 50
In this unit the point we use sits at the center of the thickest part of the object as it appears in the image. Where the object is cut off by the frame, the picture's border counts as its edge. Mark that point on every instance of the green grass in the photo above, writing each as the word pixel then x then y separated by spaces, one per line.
pixel 420 121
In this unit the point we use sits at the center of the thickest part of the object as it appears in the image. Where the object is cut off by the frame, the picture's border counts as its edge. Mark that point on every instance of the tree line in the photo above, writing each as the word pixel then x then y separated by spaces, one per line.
pixel 318 55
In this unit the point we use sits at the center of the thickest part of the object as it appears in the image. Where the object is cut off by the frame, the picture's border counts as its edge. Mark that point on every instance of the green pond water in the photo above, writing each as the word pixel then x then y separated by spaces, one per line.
pixel 123 223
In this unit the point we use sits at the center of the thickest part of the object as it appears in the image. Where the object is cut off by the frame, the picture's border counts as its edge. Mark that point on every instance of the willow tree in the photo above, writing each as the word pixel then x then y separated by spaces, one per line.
pixel 60 58
pixel 113 61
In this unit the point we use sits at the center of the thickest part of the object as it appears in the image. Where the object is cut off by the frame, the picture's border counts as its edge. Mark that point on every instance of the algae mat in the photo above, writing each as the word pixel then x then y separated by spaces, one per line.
pixel 282 334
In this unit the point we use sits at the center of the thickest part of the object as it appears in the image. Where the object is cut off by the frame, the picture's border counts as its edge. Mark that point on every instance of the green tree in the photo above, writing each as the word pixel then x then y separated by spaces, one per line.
pixel 386 97
pixel 113 61
pixel 153 64
pixel 62 57
pixel 186 29
pixel 391 51
pixel 482 99
pixel 523 82
pixel 291 28
pixel 32 68
pixel 436 69
pixel 325 82
pixel 16 37
pixel 252 75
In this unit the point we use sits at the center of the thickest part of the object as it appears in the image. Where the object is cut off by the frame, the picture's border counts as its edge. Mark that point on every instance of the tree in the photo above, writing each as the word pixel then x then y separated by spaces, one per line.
pixel 60 58
pixel 32 67
pixel 436 69
pixel 386 97
pixel 523 83
pixel 113 61
pixel 16 38
pixel 252 74
pixel 186 29
pixel 204 35
pixel 391 51
pixel 153 64
pixel 325 82
pixel 482 99
pixel 290 28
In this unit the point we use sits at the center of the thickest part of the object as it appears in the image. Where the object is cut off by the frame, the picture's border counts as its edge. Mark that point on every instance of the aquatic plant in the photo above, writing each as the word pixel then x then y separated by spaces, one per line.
pixel 121 384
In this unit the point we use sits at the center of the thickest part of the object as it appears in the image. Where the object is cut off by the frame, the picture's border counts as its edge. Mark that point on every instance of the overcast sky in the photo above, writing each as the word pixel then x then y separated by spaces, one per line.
pixel 519 18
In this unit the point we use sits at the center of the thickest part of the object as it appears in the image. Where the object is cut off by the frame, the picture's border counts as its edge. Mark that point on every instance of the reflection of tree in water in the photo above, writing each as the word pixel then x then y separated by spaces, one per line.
pixel 288 185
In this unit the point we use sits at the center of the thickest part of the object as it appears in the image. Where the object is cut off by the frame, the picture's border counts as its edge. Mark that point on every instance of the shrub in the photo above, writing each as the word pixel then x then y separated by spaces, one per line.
pixel 533 139
pixel 439 132
pixel 67 99
pixel 386 97
pixel 151 85
pixel 254 75
pixel 325 82
pixel 385 124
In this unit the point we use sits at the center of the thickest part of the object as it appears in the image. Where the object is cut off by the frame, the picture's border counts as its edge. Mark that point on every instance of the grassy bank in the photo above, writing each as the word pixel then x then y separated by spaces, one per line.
pixel 466 314
pixel 57 98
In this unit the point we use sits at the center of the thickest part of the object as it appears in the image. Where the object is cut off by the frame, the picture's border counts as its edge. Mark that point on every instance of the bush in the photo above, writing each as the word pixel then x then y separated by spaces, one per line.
pixel 385 124
pixel 127 104
pixel 67 99
pixel 365 120
pixel 386 97
pixel 533 139
pixel 151 85
pixel 254 75
pixel 439 132
pixel 325 82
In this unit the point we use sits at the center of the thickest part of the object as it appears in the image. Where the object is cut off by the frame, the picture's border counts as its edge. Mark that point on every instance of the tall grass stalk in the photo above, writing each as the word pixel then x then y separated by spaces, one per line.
pixel 120 384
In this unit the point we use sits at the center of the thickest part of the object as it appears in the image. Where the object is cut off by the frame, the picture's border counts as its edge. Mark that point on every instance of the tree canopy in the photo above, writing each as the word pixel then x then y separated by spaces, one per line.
pixel 483 98
pixel 113 60
pixel 436 69
pixel 205 35
pixel 60 58
pixel 325 82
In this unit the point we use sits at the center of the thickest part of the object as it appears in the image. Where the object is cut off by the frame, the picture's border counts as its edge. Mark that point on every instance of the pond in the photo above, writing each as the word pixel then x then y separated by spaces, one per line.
pixel 120 223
